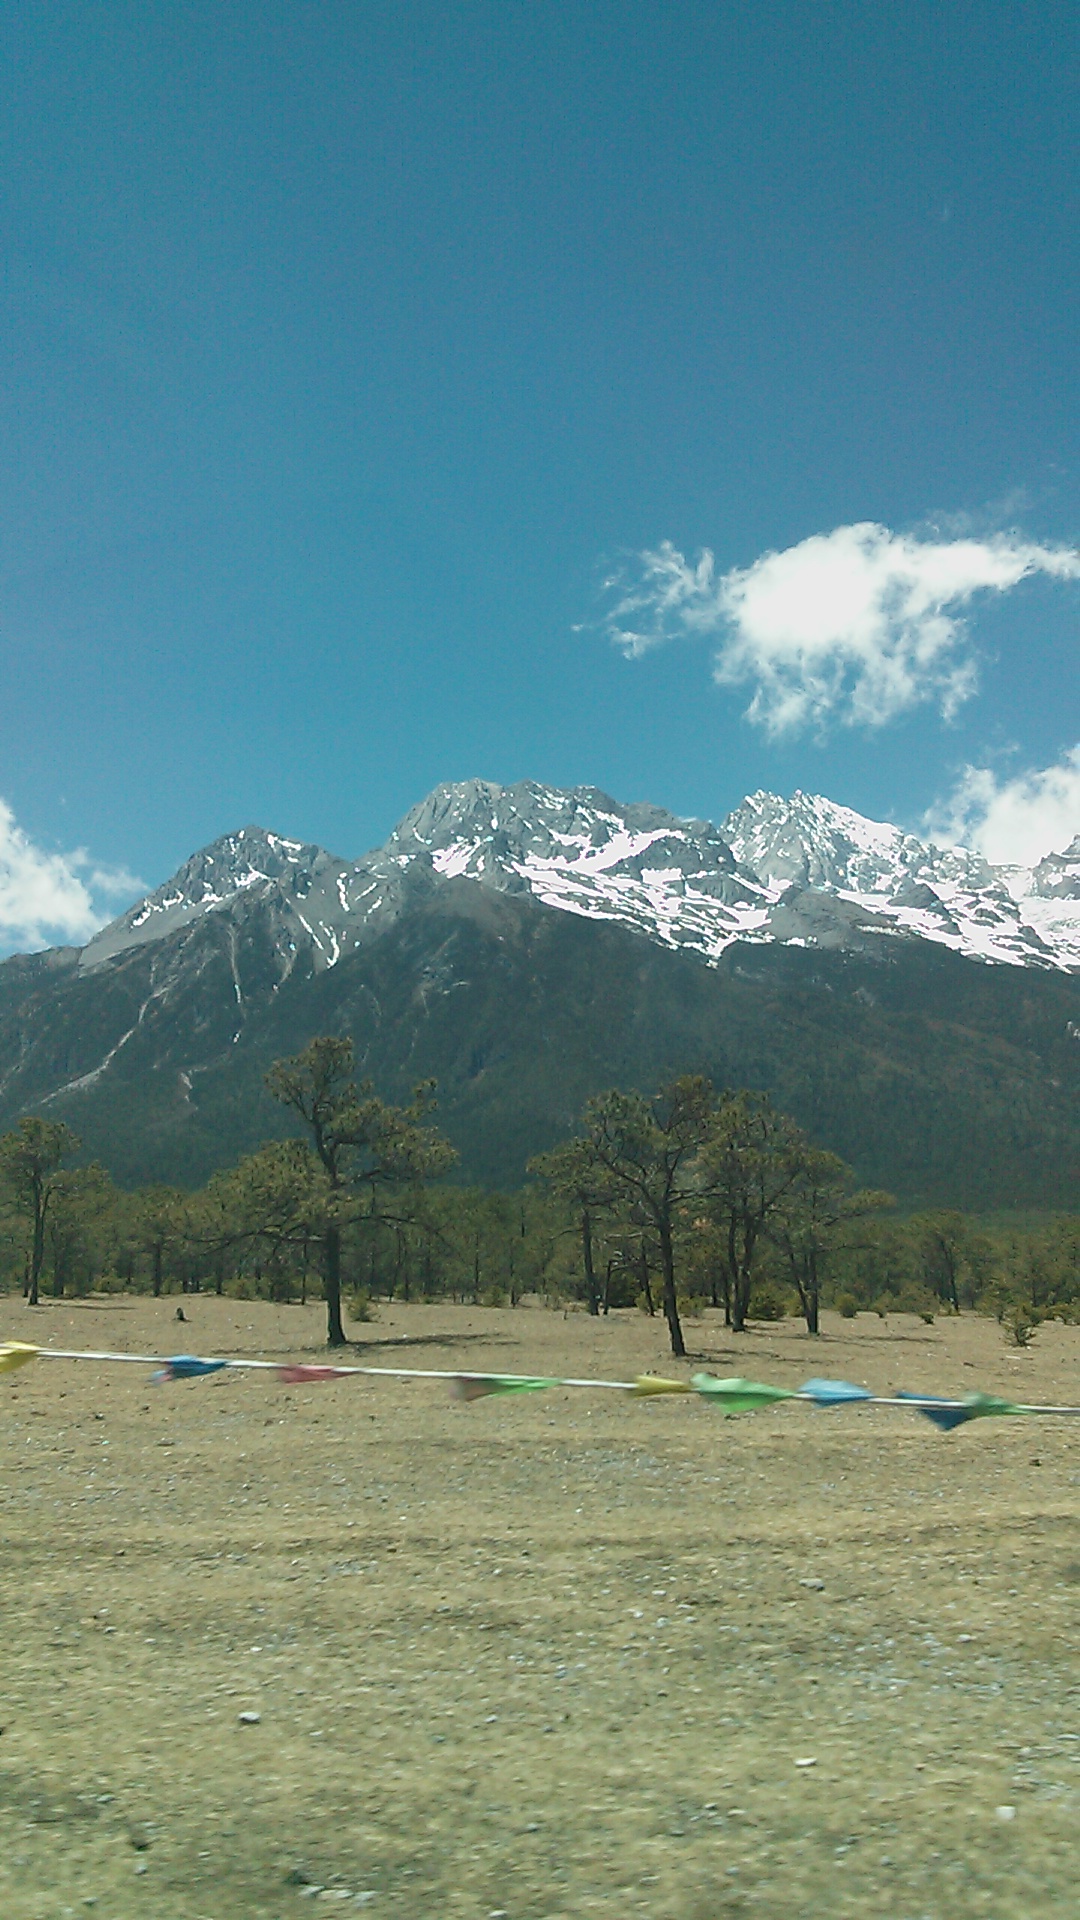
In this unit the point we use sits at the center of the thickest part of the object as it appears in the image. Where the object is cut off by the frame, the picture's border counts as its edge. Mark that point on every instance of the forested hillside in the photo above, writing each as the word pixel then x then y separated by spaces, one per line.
pixel 943 1080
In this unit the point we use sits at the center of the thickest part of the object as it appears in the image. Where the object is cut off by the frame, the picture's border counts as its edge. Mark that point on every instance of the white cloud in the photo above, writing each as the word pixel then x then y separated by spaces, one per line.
pixel 1013 822
pixel 44 898
pixel 859 624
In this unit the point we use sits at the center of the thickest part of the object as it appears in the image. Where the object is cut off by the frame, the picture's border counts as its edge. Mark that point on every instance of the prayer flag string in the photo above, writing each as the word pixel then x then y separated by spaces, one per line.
pixel 731 1395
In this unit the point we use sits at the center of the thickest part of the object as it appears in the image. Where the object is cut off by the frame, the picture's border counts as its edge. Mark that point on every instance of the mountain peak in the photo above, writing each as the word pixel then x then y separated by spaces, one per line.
pixel 475 809
pixel 803 870
pixel 812 841
pixel 245 861
pixel 578 849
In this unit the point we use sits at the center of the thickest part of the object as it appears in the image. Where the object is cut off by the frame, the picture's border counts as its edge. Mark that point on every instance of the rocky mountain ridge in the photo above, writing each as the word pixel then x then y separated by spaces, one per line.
pixel 803 871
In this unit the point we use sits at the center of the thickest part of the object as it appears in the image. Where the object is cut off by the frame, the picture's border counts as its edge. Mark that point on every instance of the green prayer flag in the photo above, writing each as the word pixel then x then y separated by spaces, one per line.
pixel 950 1414
pixel 476 1386
pixel 739 1396
pixel 977 1404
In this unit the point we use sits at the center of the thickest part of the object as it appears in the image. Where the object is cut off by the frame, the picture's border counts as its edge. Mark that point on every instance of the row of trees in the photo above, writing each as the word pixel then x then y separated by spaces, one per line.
pixel 726 1167
pixel 692 1198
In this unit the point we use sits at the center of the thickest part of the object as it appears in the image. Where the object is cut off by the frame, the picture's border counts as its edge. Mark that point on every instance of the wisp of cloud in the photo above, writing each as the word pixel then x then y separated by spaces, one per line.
pixel 1014 822
pixel 856 625
pixel 43 896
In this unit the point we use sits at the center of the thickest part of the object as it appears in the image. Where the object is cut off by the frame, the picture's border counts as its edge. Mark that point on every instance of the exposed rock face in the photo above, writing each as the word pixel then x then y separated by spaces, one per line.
pixel 946 894
pixel 1058 876
pixel 814 841
pixel 803 870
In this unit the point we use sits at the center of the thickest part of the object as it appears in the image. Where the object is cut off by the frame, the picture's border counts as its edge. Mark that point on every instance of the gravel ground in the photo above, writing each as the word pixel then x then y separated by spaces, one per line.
pixel 552 1655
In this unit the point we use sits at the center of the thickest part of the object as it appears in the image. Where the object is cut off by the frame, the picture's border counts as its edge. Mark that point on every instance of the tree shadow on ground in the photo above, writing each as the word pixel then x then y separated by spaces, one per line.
pixel 414 1340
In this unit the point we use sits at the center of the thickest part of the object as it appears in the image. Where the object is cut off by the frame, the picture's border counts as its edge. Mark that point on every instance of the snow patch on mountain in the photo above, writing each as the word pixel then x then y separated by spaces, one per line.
pixel 674 880
pixel 802 871
pixel 689 884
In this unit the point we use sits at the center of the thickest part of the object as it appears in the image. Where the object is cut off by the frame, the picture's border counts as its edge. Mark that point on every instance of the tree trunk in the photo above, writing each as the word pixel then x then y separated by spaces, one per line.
pixel 742 1272
pixel 335 1332
pixel 671 1305
pixel 157 1270
pixel 739 1302
pixel 744 1280
pixel 650 1304
pixel 592 1292
pixel 805 1275
pixel 607 1286
pixel 37 1252
pixel 731 1271
pixel 813 1290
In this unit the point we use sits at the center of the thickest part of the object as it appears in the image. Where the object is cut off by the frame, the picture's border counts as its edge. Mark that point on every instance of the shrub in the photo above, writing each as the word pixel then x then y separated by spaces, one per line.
pixel 692 1305
pixel 622 1289
pixel 1020 1321
pixel 359 1304
pixel 770 1302
pixel 917 1300
pixel 846 1306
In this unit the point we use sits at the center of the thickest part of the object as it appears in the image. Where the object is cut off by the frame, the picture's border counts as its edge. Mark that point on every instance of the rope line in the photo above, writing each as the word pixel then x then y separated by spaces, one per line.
pixel 732 1395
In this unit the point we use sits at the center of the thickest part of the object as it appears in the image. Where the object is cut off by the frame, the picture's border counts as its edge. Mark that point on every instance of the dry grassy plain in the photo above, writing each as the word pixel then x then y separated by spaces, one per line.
pixel 555 1655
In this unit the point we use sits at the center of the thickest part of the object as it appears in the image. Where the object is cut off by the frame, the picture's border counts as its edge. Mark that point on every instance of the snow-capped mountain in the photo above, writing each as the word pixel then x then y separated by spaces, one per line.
pixel 527 948
pixel 247 862
pixel 946 894
pixel 803 871
pixel 1058 876
pixel 315 903
pixel 674 880
pixel 811 842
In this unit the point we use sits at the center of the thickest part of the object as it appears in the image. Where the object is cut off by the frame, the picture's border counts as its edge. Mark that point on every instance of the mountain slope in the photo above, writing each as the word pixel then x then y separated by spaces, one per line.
pixel 529 947
pixel 937 1078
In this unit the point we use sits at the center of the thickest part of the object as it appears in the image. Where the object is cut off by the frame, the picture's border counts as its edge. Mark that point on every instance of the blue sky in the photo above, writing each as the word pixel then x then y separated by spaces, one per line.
pixel 350 351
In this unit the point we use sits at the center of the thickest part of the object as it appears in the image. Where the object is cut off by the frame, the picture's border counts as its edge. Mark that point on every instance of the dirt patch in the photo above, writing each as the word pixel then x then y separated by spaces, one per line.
pixel 554 1655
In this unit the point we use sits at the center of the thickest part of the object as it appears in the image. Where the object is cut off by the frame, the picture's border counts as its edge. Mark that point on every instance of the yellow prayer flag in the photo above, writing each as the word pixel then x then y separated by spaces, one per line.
pixel 648 1383
pixel 15 1353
